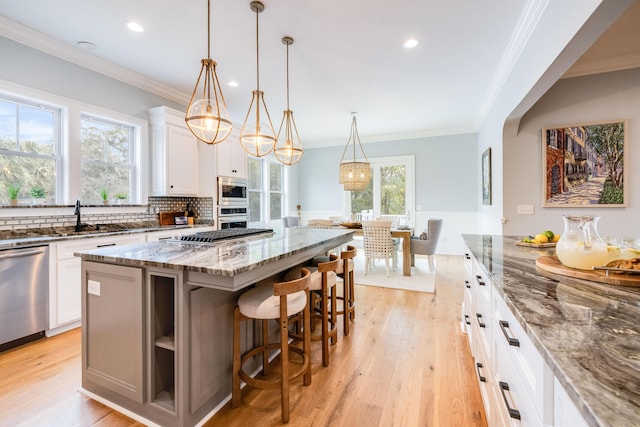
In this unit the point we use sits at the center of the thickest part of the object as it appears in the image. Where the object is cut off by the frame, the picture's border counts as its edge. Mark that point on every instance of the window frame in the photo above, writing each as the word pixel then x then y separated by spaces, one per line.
pixel 265 192
pixel 68 187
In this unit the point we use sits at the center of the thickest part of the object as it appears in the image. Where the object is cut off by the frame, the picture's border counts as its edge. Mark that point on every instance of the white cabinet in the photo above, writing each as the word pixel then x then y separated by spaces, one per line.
pixel 565 413
pixel 515 382
pixel 65 277
pixel 232 159
pixel 174 155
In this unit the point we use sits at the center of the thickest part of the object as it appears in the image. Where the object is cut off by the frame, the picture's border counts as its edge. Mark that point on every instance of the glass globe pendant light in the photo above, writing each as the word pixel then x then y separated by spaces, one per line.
pixel 288 149
pixel 207 116
pixel 257 135
pixel 355 175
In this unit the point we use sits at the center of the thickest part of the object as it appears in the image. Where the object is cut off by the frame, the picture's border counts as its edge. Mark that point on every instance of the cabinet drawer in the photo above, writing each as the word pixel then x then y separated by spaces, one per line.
pixel 513 403
pixel 67 249
pixel 513 345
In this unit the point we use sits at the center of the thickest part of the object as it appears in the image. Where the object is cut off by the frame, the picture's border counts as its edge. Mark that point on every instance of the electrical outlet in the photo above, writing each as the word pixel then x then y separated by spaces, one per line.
pixel 525 209
pixel 93 287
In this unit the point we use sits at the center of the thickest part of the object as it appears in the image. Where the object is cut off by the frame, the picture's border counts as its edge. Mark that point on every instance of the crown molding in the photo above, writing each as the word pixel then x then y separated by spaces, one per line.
pixel 37 40
pixel 522 32
pixel 603 65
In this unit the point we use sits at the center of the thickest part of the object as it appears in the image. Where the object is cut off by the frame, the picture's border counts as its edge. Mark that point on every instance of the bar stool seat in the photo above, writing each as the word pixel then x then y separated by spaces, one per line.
pixel 278 302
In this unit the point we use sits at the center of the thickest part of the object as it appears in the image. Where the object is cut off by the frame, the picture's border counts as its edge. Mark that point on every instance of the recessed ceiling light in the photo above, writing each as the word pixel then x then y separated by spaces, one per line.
pixel 232 83
pixel 86 45
pixel 410 43
pixel 134 26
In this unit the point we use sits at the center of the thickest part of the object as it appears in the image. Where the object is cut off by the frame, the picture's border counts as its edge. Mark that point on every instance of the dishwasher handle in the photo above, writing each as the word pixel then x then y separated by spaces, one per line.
pixel 21 253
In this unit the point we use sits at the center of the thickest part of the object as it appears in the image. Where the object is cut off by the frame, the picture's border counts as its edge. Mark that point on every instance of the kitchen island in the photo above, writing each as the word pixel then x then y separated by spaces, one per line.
pixel 157 318
pixel 585 333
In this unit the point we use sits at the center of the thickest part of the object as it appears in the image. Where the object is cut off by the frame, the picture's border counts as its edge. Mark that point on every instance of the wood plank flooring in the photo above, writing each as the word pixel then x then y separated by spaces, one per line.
pixel 405 363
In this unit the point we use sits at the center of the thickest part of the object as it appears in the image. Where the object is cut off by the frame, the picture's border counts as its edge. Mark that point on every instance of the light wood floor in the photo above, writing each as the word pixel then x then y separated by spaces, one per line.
pixel 404 364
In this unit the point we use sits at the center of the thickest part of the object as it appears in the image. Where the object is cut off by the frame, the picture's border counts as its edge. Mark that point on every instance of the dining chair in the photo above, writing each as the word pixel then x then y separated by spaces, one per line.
pixel 427 245
pixel 319 223
pixel 378 244
pixel 290 221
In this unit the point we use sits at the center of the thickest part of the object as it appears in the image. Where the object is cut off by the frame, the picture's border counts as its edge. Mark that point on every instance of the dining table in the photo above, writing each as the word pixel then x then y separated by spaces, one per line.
pixel 401 233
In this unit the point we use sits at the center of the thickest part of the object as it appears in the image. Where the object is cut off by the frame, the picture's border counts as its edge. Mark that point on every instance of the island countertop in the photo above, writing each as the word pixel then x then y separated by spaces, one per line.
pixel 587 332
pixel 231 261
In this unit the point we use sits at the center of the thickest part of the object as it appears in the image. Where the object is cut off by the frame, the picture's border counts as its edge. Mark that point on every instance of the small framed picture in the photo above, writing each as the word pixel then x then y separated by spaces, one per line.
pixel 181 220
pixel 486 177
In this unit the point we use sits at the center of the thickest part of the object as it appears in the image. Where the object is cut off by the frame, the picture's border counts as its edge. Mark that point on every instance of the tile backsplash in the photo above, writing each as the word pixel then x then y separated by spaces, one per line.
pixel 201 206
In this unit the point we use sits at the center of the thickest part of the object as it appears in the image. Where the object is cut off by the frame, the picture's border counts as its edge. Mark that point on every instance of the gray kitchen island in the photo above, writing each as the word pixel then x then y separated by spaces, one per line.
pixel 157 318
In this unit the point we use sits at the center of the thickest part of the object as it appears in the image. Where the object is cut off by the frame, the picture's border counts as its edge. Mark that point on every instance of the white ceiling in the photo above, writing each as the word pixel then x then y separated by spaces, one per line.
pixel 347 56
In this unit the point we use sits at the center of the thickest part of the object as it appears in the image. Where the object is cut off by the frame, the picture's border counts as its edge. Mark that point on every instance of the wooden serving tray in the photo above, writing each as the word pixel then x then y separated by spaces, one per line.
pixel 553 265
pixel 536 245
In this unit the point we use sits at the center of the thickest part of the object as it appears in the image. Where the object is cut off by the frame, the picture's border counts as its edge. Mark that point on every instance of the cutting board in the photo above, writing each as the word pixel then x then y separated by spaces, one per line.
pixel 553 265
pixel 168 218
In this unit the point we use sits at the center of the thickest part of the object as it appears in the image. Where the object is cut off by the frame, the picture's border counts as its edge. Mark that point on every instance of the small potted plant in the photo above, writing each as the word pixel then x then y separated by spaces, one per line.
pixel 104 195
pixel 38 194
pixel 121 198
pixel 12 191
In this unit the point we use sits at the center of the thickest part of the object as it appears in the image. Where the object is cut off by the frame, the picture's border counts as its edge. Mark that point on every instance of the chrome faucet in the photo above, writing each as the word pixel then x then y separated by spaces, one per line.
pixel 77 213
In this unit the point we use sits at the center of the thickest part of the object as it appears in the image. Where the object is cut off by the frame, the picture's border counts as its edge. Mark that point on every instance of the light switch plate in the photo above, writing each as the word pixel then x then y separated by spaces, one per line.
pixel 525 209
pixel 93 287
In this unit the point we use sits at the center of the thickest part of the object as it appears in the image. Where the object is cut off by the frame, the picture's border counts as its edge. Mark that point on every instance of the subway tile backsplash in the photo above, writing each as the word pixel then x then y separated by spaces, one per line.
pixel 202 207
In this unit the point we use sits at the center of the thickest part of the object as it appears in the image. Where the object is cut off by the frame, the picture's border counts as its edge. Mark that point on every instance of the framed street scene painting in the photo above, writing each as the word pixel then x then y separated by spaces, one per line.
pixel 486 177
pixel 583 165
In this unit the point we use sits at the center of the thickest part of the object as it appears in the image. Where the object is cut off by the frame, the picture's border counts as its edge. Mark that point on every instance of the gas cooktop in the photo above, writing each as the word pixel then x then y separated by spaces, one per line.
pixel 228 233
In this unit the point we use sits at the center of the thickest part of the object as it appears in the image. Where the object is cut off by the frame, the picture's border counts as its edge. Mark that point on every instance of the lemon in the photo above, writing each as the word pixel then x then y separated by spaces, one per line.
pixel 549 234
pixel 611 248
pixel 634 251
pixel 541 238
pixel 536 241
pixel 556 237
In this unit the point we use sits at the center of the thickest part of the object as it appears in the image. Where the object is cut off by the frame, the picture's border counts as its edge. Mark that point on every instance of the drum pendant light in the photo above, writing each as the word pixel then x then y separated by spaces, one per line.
pixel 288 148
pixel 355 175
pixel 207 116
pixel 257 135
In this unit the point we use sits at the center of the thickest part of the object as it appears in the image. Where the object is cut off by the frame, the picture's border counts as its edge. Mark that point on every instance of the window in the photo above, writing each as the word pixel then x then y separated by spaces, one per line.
pixel 254 168
pixel 29 149
pixel 107 159
pixel 266 190
pixel 390 191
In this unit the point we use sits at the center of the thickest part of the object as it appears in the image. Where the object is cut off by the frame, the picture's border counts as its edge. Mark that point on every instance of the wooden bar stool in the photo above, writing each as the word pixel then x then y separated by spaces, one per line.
pixel 348 279
pixel 322 289
pixel 346 276
pixel 279 302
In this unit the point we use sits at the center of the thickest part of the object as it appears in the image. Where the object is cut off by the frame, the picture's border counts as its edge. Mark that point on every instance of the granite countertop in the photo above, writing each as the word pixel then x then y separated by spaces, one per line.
pixel 587 332
pixel 223 257
pixel 42 236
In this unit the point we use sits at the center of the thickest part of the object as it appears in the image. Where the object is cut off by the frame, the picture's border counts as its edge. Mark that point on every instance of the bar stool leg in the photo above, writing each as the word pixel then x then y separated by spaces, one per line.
pixel 235 387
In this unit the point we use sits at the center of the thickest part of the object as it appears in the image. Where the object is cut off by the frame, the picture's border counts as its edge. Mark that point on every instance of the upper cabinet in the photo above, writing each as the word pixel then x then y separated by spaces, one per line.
pixel 174 155
pixel 232 159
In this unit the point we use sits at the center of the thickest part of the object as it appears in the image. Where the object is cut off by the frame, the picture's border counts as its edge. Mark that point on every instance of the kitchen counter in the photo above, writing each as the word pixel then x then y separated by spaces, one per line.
pixel 233 261
pixel 588 333
pixel 40 236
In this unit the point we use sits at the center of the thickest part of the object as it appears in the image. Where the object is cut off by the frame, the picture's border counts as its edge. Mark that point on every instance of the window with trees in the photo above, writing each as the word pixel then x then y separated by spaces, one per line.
pixel 29 150
pixel 266 190
pixel 107 159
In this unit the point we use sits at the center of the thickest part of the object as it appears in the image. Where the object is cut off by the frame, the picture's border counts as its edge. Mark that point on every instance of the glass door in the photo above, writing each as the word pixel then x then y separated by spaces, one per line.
pixel 389 193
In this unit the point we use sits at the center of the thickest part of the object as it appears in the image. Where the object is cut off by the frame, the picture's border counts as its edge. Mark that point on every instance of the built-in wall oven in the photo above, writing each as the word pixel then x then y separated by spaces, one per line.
pixel 232 217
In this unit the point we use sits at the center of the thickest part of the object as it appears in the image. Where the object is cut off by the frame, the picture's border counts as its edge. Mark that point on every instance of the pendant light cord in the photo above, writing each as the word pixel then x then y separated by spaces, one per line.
pixel 288 76
pixel 257 51
pixel 208 29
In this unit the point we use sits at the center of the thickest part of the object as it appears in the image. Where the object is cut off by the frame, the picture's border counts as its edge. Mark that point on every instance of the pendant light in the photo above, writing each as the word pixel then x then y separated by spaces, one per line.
pixel 355 175
pixel 288 148
pixel 257 135
pixel 207 116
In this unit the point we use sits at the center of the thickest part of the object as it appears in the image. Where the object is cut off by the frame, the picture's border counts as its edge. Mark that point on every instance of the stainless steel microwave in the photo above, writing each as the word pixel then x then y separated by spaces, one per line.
pixel 232 191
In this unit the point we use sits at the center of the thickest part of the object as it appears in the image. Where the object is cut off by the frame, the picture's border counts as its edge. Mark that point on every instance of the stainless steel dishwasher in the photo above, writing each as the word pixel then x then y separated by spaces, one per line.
pixel 24 295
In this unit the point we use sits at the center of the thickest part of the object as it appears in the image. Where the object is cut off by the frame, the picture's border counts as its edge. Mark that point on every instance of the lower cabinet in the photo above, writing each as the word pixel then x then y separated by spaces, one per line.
pixel 64 275
pixel 517 386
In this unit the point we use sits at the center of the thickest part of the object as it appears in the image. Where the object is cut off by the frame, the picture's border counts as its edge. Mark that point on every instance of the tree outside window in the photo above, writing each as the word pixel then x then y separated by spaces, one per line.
pixel 107 159
pixel 29 149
